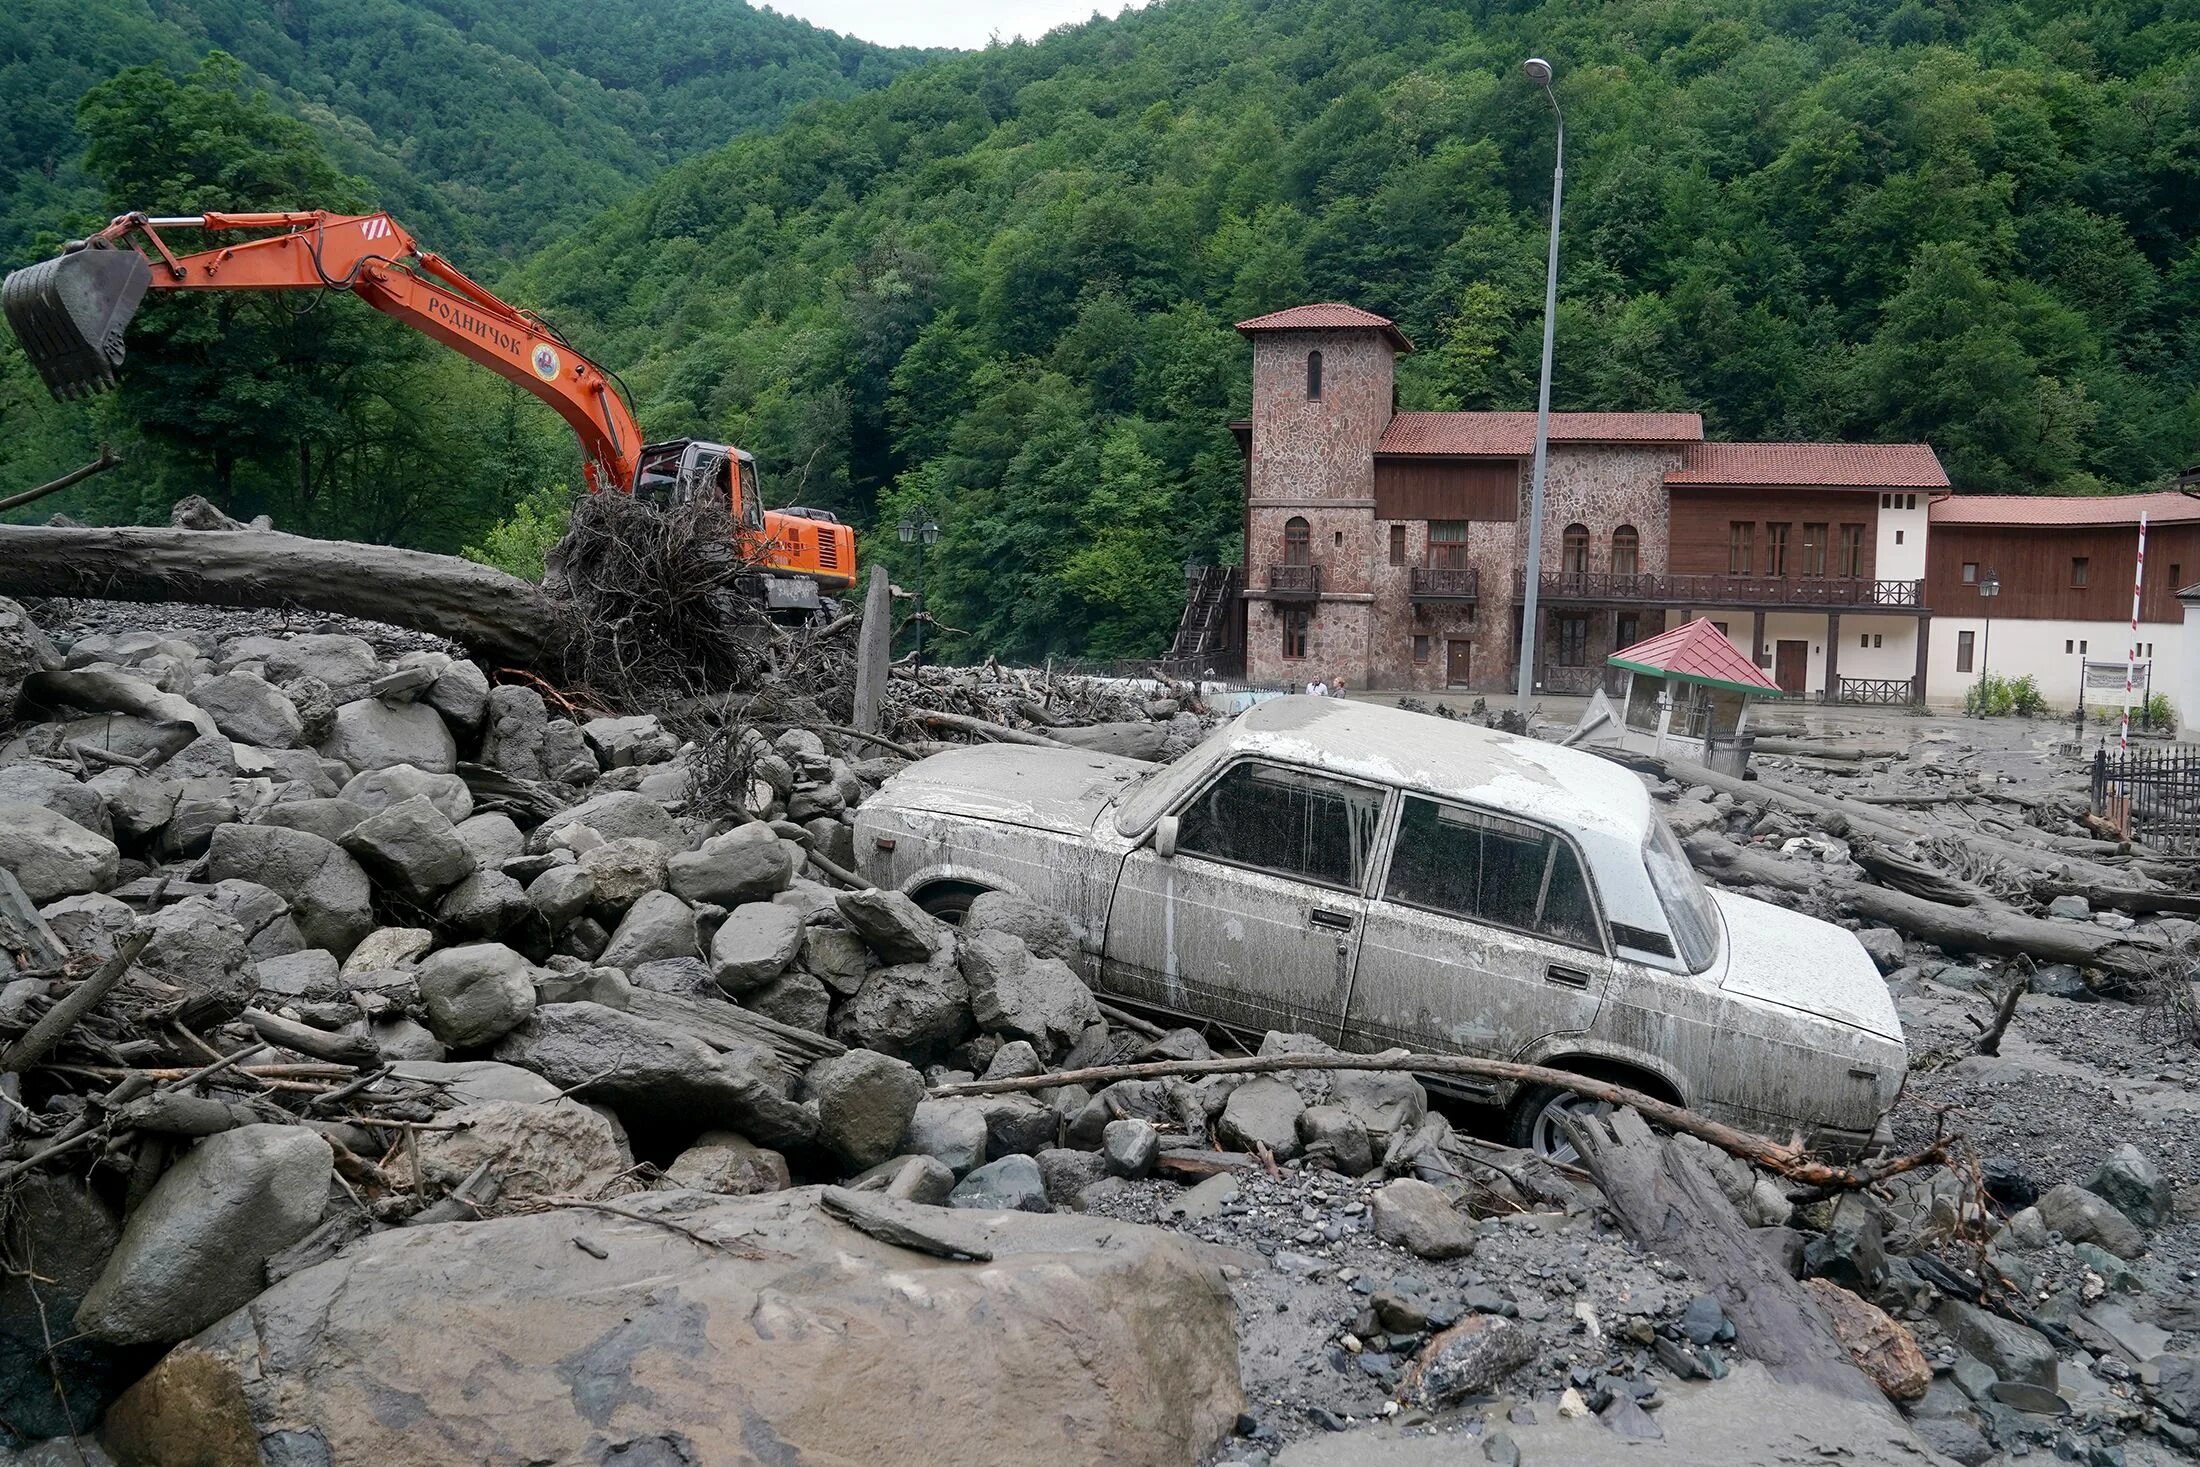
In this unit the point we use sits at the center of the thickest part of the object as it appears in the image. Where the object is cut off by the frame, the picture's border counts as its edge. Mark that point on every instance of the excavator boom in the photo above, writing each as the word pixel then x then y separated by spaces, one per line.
pixel 71 312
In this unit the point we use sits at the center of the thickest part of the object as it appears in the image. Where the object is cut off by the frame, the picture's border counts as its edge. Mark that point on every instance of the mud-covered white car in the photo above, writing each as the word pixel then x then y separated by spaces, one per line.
pixel 1381 878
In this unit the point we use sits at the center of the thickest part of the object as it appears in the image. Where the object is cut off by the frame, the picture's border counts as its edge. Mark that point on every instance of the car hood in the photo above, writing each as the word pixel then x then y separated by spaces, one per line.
pixel 1798 962
pixel 1016 784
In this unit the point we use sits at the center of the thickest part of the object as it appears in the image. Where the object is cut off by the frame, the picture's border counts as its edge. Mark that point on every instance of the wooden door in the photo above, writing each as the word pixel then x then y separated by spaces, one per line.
pixel 1458 658
pixel 1790 665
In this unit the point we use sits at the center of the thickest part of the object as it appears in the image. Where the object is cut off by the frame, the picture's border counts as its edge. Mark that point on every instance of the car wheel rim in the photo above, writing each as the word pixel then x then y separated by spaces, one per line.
pixel 1549 1134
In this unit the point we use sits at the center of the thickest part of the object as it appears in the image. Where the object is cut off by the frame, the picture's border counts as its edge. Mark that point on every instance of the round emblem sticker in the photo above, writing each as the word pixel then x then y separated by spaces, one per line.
pixel 546 363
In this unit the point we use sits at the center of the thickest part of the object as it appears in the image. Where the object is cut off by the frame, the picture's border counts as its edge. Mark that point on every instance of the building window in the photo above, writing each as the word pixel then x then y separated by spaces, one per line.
pixel 1297 541
pixel 1626 630
pixel 1313 376
pixel 1970 573
pixel 1336 537
pixel 2150 650
pixel 2081 570
pixel 1297 622
pixel 1573 641
pixel 1574 550
pixel 1447 544
pixel 1876 642
pixel 2070 644
pixel 1864 640
pixel 2174 577
pixel 1814 550
pixel 1741 547
pixel 2081 647
pixel 1910 501
pixel 1420 649
pixel 1397 544
pixel 1719 627
pixel 1626 551
pixel 1963 650
pixel 1849 562
pixel 1776 549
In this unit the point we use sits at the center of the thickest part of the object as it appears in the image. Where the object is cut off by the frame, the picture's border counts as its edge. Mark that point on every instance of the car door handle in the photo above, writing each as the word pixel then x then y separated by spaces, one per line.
pixel 1335 921
pixel 1567 977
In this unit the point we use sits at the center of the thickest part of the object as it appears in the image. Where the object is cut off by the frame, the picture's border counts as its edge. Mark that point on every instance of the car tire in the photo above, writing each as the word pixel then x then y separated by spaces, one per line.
pixel 948 903
pixel 1534 1121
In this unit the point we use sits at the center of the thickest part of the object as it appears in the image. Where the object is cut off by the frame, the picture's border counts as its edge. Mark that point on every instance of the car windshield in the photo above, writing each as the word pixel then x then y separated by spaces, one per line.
pixel 1688 907
pixel 1149 797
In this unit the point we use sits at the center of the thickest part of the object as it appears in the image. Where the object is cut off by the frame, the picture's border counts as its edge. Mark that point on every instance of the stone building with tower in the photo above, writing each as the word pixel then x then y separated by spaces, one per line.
pixel 1387 548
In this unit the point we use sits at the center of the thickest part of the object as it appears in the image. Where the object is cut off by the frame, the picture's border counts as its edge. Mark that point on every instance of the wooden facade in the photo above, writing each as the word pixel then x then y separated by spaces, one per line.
pixel 2034 566
pixel 1447 488
pixel 1703 520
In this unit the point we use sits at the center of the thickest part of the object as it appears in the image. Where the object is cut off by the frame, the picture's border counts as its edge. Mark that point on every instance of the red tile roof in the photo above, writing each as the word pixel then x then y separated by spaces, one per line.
pixel 1327 316
pixel 2062 509
pixel 1699 652
pixel 1836 465
pixel 1513 434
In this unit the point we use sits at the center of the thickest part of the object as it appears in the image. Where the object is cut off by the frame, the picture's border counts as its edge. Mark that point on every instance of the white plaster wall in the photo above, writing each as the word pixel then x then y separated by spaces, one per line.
pixel 1791 626
pixel 2185 696
pixel 2020 647
pixel 1903 561
pixel 1896 654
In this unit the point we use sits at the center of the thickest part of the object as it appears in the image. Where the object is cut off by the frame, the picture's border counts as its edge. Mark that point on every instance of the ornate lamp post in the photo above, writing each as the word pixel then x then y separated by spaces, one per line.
pixel 918 528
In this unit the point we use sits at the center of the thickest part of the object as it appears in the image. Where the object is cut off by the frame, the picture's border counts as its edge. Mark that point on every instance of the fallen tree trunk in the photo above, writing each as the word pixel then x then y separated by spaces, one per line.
pixel 1829 749
pixel 499 616
pixel 1985 927
pixel 1000 733
pixel 1672 1208
pixel 1790 1161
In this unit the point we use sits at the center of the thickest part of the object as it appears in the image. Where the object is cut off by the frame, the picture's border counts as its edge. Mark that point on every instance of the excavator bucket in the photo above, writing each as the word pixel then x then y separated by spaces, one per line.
pixel 70 312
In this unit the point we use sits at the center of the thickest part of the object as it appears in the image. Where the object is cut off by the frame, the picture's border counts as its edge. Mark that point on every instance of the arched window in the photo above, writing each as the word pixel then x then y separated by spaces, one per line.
pixel 1297 541
pixel 1626 551
pixel 1313 376
pixel 1574 550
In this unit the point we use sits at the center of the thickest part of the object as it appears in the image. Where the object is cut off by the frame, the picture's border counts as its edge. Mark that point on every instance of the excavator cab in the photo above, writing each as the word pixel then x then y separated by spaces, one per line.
pixel 684 470
pixel 70 313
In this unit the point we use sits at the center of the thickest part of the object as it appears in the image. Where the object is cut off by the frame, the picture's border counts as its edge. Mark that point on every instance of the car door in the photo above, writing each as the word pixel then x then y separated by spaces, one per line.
pixel 1484 938
pixel 1253 920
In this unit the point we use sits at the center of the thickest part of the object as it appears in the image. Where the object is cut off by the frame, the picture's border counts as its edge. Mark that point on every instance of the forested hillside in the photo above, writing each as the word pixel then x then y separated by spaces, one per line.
pixel 1004 284
pixel 495 125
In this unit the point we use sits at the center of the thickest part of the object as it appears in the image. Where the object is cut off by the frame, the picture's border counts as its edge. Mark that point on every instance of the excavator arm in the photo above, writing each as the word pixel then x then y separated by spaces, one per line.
pixel 70 311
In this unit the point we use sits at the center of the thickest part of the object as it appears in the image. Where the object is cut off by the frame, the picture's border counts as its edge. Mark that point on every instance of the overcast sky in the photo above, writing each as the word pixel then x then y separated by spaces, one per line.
pixel 968 24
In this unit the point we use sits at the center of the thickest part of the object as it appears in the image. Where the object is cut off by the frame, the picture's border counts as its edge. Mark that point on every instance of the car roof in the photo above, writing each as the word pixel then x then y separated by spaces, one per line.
pixel 1447 757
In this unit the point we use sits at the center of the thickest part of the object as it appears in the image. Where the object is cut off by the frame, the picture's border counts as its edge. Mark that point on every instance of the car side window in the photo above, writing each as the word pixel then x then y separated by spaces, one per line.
pixel 1287 821
pixel 1483 867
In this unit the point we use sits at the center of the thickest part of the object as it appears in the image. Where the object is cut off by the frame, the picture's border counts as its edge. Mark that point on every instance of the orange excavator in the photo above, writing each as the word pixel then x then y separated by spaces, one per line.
pixel 70 314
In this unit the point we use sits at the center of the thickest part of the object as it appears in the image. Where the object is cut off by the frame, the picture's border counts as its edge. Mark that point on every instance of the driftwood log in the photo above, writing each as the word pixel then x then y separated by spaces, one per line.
pixel 1790 1161
pixel 499 616
pixel 1985 926
pixel 1673 1209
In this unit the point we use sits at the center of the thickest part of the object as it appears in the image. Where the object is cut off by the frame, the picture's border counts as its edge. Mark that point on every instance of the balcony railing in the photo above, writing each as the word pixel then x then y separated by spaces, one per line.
pixel 1835 592
pixel 1294 582
pixel 1887 690
pixel 1444 583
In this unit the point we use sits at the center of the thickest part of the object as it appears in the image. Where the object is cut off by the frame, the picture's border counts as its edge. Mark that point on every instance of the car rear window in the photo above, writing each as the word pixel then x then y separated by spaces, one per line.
pixel 1287 821
pixel 1486 868
pixel 1688 908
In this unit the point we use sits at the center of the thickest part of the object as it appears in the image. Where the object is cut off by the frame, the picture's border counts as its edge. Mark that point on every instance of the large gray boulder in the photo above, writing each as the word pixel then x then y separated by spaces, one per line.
pixel 24 649
pixel 460 693
pixel 2086 1217
pixel 953 1131
pixel 747 864
pixel 346 664
pixel 2134 1187
pixel 560 894
pixel 197 1246
pixel 1037 999
pixel 375 790
pixel 2009 1349
pixel 537 1151
pixel 620 871
pixel 1264 1111
pixel 911 1010
pixel 249 709
pixel 1417 1217
pixel 371 734
pixel 614 815
pixel 62 793
pixel 329 894
pixel 206 974
pixel 52 856
pixel 897 929
pixel 1046 931
pixel 619 742
pixel 493 838
pixel 331 818
pixel 661 1351
pixel 483 905
pixel 60 1234
pixel 1012 1184
pixel 137 804
pixel 476 994
pixel 512 739
pixel 652 1074
pixel 413 847
pixel 795 998
pixel 864 1101
pixel 657 926
pixel 730 1164
pixel 754 945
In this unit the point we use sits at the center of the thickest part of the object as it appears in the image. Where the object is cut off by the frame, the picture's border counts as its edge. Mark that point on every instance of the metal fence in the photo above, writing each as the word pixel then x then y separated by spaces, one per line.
pixel 2151 795
pixel 1889 690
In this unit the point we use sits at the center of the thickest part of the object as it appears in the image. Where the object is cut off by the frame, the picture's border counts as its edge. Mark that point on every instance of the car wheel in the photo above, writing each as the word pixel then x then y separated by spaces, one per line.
pixel 1538 1118
pixel 948 903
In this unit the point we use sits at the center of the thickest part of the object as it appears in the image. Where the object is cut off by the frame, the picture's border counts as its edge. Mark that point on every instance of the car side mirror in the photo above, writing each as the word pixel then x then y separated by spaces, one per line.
pixel 1164 837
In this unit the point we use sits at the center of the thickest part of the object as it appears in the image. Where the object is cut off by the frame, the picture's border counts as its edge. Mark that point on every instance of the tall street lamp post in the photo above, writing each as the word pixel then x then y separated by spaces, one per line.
pixel 1989 586
pixel 1539 72
pixel 918 528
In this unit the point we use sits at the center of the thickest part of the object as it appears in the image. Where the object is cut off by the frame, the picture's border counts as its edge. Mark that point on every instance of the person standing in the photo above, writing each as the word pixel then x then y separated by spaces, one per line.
pixel 1336 689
